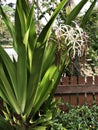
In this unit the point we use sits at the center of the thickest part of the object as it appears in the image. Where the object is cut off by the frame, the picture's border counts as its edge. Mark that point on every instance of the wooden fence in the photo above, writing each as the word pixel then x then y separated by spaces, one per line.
pixel 77 91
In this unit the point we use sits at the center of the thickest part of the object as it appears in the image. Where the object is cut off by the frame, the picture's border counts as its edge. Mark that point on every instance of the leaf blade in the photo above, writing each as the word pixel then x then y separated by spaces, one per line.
pixel 9 91
pixel 22 77
pixel 75 12
pixel 87 14
pixel 44 35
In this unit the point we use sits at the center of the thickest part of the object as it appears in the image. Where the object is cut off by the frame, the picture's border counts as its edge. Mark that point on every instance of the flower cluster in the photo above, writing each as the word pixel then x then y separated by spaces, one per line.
pixel 75 39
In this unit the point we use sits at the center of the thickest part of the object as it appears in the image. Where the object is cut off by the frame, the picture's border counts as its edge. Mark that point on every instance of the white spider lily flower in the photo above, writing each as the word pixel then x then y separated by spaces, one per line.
pixel 74 38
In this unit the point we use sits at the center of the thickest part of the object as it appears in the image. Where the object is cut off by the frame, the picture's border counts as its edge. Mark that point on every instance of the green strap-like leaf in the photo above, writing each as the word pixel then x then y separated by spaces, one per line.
pixel 22 76
pixel 25 6
pixel 3 93
pixel 44 35
pixel 32 27
pixel 75 12
pixel 9 91
pixel 46 92
pixel 32 36
pixel 18 31
pixel 44 87
pixel 87 14
pixel 10 68
pixel 57 77
pixel 21 15
pixel 49 56
pixel 35 74
pixel 20 23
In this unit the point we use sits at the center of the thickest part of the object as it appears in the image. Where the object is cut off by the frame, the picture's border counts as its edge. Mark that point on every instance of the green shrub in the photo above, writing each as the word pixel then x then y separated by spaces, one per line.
pixel 79 118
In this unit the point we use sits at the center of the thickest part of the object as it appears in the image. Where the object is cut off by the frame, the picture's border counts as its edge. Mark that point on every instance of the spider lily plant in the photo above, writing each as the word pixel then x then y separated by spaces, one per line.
pixel 26 84
pixel 29 82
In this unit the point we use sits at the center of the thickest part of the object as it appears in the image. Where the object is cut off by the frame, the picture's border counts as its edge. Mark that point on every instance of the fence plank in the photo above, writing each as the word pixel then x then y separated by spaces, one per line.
pixel 89 99
pixel 62 89
pixel 81 80
pixel 89 80
pixel 81 99
pixel 96 80
pixel 73 99
pixel 73 80
pixel 65 80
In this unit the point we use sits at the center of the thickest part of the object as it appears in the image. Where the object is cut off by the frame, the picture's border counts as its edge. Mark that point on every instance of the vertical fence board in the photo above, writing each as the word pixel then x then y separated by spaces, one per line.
pixel 96 80
pixel 65 80
pixel 73 80
pixel 89 99
pixel 89 80
pixel 81 80
pixel 73 99
pixel 81 99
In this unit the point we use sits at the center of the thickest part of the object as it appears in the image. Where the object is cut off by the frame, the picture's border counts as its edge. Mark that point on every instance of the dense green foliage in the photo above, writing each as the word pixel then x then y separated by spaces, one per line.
pixel 92 30
pixel 79 118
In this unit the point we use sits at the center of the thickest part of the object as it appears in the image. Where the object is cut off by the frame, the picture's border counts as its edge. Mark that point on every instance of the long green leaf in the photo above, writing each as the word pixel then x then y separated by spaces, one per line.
pixel 10 68
pixel 45 88
pixel 20 23
pixel 25 7
pixel 87 14
pixel 18 31
pixel 57 77
pixel 44 35
pixel 22 76
pixel 49 57
pixel 75 12
pixel 43 91
pixel 3 93
pixel 21 14
pixel 35 75
pixel 45 81
pixel 32 36
pixel 9 91
pixel 32 27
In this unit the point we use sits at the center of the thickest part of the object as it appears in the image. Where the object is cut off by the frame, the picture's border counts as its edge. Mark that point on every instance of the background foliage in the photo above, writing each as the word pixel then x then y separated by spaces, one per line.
pixel 79 118
pixel 5 37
